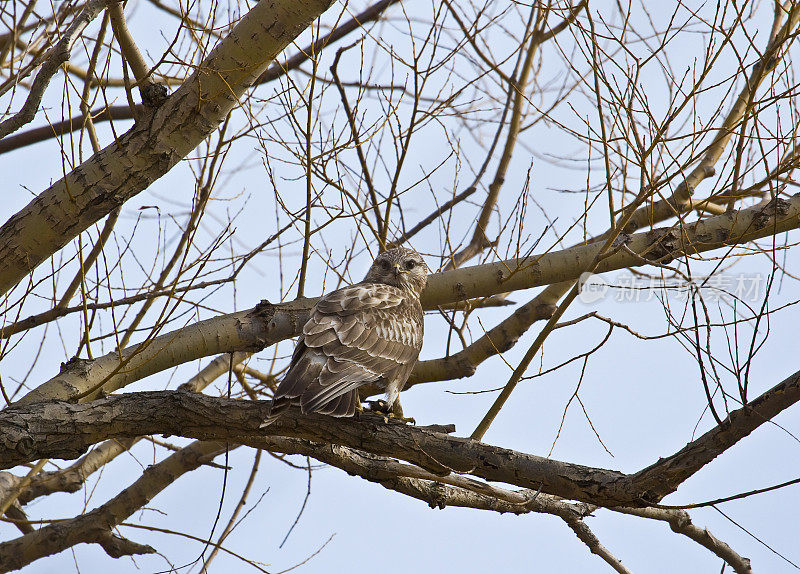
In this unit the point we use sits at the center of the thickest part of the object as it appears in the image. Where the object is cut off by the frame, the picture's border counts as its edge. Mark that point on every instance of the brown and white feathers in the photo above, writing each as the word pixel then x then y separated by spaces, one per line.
pixel 370 332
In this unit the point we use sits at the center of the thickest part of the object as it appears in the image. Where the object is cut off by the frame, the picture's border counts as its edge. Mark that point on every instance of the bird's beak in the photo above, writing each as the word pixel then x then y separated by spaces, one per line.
pixel 398 269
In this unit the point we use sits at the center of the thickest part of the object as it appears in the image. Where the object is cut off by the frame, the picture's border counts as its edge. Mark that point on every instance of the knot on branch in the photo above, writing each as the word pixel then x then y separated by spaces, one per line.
pixel 621 239
pixel 665 244
pixel 437 498
pixel 76 366
pixel 545 310
pixel 679 520
pixel 117 547
pixel 153 94
pixel 767 61
pixel 770 213
pixel 267 323
pixel 25 446
pixel 263 310
pixel 716 236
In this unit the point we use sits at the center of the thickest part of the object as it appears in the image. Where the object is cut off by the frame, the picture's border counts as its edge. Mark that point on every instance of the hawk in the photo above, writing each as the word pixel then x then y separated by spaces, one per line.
pixel 369 332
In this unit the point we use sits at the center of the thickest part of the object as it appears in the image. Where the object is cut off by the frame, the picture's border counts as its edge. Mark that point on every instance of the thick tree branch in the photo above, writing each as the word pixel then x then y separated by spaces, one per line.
pixel 52 61
pixel 243 331
pixel 265 325
pixel 73 477
pixel 96 526
pixel 680 521
pixel 665 475
pixel 57 429
pixel 125 112
pixel 156 143
pixel 437 491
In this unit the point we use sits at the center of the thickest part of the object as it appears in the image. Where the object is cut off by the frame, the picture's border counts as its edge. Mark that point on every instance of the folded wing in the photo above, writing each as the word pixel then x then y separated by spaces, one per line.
pixel 357 335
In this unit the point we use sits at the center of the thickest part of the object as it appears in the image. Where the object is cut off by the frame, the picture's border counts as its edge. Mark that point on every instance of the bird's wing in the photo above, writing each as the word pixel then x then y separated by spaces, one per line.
pixel 356 335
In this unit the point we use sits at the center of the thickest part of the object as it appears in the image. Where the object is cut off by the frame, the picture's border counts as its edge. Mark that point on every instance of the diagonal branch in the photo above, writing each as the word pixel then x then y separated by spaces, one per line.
pixel 454 490
pixel 57 429
pixel 268 324
pixel 154 144
pixel 53 60
pixel 680 521
pixel 664 476
pixel 96 525
pixel 125 112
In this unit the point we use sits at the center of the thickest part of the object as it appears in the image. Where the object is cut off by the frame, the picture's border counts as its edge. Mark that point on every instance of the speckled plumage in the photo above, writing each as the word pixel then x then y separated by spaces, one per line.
pixel 370 332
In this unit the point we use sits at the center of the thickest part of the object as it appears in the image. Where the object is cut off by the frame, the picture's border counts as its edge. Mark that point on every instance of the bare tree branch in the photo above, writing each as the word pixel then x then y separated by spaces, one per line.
pixel 680 521
pixel 56 429
pixel 96 526
pixel 274 72
pixel 261 327
pixel 154 145
pixel 637 115
pixel 52 61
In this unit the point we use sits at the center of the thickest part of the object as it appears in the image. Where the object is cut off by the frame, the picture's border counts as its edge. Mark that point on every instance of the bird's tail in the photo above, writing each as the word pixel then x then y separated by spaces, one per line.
pixel 279 405
pixel 268 421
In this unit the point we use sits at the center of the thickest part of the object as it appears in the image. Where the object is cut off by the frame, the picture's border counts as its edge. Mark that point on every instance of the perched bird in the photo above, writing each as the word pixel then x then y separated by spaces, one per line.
pixel 370 332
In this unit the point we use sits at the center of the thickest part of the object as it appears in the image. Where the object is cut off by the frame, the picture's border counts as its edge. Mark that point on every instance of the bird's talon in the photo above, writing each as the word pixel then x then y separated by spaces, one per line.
pixel 402 419
pixel 380 406
pixel 387 413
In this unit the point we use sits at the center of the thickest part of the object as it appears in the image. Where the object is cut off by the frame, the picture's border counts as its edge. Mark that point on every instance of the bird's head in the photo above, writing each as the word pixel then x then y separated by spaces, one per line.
pixel 400 267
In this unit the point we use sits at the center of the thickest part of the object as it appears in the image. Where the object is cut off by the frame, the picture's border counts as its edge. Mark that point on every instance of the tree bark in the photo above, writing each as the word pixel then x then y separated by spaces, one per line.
pixel 265 325
pixel 158 140
pixel 58 429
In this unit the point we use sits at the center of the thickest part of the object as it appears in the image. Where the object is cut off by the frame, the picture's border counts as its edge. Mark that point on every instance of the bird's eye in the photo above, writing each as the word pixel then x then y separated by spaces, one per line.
pixel 385 265
pixel 410 264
